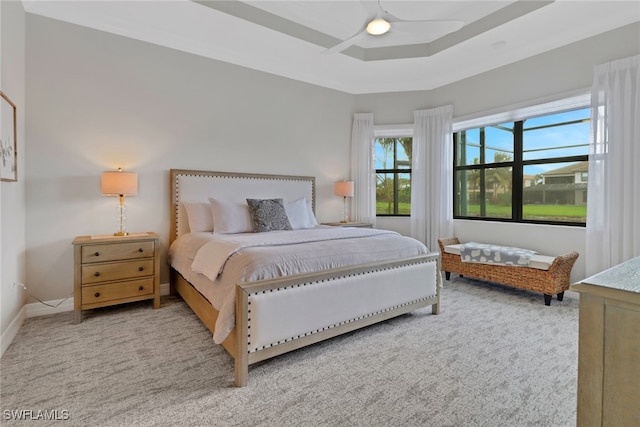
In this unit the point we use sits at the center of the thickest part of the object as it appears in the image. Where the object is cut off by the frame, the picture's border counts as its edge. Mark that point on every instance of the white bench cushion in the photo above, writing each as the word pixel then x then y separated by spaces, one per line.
pixel 540 262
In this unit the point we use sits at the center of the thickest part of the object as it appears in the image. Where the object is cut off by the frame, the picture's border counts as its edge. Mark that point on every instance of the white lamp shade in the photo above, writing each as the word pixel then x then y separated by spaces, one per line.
pixel 116 183
pixel 344 188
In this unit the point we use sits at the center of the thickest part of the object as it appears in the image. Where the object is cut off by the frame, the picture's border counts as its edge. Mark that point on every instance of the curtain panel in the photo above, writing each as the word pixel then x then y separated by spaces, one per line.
pixel 613 204
pixel 363 171
pixel 432 176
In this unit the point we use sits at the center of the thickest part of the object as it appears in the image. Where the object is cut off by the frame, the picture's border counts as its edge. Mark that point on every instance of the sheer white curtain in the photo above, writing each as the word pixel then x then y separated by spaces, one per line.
pixel 613 204
pixel 363 202
pixel 432 176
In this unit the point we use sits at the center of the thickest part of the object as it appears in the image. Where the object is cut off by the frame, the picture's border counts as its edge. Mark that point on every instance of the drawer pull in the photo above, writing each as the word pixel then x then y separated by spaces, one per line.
pixel 97 254
pixel 140 250
pixel 97 295
pixel 140 288
pixel 140 268
pixel 97 273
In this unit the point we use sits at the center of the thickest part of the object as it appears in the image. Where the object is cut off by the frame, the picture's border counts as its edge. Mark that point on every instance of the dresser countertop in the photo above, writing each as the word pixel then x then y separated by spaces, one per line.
pixel 624 277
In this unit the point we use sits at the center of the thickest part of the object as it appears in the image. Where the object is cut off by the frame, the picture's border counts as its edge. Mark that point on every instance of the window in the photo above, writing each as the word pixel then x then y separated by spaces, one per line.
pixel 530 170
pixel 393 175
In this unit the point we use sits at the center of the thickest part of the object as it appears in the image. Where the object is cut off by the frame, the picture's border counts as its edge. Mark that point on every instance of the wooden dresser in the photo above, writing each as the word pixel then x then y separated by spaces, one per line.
pixel 609 347
pixel 113 270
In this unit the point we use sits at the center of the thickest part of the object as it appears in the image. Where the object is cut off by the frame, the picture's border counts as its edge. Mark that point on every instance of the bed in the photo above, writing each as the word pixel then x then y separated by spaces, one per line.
pixel 242 286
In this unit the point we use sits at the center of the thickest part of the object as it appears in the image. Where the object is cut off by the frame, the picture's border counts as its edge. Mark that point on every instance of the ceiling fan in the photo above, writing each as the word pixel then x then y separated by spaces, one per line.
pixel 380 22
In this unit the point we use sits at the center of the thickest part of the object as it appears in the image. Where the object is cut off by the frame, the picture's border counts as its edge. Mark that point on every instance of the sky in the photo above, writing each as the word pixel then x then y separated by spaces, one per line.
pixel 555 141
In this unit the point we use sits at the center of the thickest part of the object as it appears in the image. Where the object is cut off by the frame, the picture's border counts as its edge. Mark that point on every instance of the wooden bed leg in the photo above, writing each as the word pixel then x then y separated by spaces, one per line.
pixel 242 332
pixel 435 308
pixel 560 296
pixel 241 372
pixel 447 275
pixel 547 299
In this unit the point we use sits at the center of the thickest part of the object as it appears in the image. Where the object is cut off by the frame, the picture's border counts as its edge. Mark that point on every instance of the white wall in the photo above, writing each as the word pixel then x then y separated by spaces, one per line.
pixel 98 101
pixel 541 78
pixel 12 194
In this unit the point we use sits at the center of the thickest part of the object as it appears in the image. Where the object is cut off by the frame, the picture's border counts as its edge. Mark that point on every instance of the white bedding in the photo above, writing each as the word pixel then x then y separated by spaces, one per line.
pixel 248 257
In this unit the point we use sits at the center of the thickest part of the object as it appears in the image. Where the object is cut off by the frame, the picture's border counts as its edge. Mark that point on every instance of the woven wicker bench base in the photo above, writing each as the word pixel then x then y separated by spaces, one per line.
pixel 553 281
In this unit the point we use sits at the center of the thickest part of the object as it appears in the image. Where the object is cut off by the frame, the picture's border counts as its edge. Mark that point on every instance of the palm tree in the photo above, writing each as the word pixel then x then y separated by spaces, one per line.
pixel 500 177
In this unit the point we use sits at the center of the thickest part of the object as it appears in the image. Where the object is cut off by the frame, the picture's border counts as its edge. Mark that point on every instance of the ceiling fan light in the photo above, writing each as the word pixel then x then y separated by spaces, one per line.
pixel 378 27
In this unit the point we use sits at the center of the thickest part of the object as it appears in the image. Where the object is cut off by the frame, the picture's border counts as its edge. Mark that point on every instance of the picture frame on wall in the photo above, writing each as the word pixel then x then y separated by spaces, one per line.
pixel 8 145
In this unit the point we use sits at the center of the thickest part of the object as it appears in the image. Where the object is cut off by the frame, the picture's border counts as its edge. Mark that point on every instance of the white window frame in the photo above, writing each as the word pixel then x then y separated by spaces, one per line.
pixel 516 113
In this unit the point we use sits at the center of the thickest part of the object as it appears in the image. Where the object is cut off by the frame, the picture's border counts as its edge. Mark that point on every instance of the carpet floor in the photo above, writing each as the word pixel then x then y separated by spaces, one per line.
pixel 495 356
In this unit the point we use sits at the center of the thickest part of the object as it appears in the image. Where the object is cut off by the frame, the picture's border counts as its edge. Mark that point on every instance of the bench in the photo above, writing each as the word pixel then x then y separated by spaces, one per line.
pixel 548 275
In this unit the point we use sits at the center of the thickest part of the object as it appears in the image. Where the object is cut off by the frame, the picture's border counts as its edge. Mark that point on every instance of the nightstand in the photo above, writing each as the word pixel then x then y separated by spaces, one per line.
pixel 111 270
pixel 349 224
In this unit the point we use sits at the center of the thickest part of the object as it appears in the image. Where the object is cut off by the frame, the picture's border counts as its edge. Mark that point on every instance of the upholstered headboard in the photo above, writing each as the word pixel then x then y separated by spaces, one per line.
pixel 195 185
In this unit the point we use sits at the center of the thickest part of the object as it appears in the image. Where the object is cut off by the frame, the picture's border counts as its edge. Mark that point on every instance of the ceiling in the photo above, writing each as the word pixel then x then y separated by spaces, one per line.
pixel 288 38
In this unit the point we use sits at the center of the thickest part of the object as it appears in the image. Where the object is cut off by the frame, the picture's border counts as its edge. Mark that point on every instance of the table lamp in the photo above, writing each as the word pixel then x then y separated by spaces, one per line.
pixel 121 184
pixel 344 189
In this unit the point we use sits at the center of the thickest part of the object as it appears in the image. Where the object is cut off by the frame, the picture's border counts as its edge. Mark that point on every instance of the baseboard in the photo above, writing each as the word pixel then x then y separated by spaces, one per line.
pixel 572 294
pixel 36 309
pixel 10 333
pixel 165 289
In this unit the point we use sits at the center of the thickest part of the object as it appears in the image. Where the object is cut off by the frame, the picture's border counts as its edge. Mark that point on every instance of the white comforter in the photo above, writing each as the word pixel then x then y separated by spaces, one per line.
pixel 215 263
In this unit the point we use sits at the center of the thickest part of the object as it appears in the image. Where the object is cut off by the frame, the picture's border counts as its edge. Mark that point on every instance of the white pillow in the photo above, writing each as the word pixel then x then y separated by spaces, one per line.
pixel 300 214
pixel 310 215
pixel 199 216
pixel 230 217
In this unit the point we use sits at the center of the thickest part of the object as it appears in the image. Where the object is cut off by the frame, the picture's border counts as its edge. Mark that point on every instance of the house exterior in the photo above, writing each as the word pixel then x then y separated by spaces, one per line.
pixel 563 186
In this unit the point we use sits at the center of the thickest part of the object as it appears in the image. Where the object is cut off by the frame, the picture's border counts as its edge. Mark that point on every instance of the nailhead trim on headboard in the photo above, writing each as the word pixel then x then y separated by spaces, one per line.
pixel 176 175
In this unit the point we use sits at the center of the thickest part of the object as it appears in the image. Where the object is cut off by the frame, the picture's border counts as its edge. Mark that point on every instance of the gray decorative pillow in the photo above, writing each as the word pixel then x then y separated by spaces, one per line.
pixel 268 215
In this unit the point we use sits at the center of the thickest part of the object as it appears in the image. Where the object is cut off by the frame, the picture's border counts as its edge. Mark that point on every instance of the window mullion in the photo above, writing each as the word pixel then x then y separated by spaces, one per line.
pixel 517 183
pixel 395 176
pixel 483 192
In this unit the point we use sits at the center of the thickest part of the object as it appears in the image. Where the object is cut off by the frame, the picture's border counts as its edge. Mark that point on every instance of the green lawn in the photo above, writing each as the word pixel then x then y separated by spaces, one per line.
pixel 383 208
pixel 543 212
pixel 569 213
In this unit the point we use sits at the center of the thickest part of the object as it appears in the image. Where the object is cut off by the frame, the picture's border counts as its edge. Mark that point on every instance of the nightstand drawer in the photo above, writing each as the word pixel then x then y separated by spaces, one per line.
pixel 116 251
pixel 114 291
pixel 95 273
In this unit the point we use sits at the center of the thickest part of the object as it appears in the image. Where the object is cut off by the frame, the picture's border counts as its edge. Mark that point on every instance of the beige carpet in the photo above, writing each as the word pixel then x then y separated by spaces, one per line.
pixel 495 356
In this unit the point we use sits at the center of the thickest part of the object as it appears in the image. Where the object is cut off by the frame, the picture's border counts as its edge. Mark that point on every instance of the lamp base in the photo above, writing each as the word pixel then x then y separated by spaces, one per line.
pixel 121 233
pixel 345 211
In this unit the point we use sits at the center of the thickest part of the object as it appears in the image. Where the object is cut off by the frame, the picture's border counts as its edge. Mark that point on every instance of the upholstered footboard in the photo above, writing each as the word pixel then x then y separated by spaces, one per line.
pixel 553 281
pixel 277 316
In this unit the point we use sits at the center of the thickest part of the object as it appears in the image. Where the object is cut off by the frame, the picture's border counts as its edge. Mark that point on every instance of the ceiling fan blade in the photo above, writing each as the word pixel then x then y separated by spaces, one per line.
pixel 427 27
pixel 345 43
pixel 371 7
